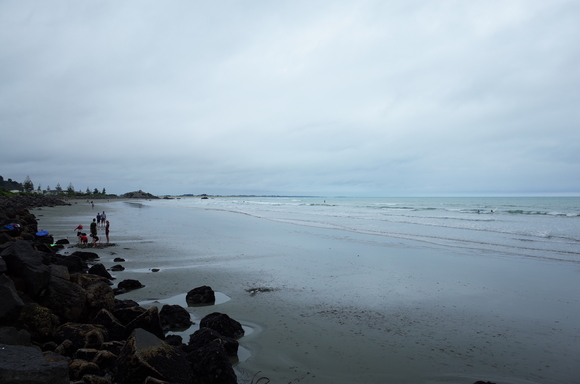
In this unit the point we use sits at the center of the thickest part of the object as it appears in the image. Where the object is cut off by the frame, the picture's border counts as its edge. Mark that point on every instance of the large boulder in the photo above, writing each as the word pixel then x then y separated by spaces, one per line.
pixel 145 355
pixel 67 300
pixel 23 261
pixel 223 324
pixel 81 335
pixel 211 365
pixel 39 321
pixel 74 263
pixel 174 317
pixel 99 296
pixel 85 256
pixel 27 365
pixel 115 329
pixel 200 295
pixel 204 336
pixel 10 303
pixel 13 336
pixel 149 321
pixel 128 314
pixel 99 269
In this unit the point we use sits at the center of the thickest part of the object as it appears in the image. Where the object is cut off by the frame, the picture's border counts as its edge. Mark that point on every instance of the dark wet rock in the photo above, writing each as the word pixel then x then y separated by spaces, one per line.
pixel 66 300
pixel 149 321
pixel 483 382
pixel 204 336
pixel 74 263
pixel 130 284
pixel 94 379
pixel 87 354
pixel 113 346
pixel 59 271
pixel 211 364
pixel 128 314
pixel 81 335
pixel 223 324
pixel 174 317
pixel 62 241
pixel 200 295
pixel 145 355
pixel 10 303
pixel 23 261
pixel 174 340
pixel 4 238
pixel 99 269
pixel 66 348
pixel 39 321
pixel 49 346
pixel 85 256
pixel 20 364
pixel 13 336
pixel 155 270
pixel 116 330
pixel 118 260
pixel 125 303
pixel 80 368
pixel 105 359
pixel 99 296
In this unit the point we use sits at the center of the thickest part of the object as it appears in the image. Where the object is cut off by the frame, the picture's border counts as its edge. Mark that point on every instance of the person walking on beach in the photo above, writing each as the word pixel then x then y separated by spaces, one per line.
pixel 94 228
pixel 103 218
pixel 107 230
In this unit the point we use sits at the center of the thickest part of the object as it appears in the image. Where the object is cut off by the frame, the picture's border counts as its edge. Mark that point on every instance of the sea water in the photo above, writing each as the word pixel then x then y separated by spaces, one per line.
pixel 540 227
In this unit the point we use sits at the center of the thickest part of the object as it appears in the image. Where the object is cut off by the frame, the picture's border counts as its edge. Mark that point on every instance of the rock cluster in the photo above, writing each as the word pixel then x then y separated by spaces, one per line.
pixel 60 322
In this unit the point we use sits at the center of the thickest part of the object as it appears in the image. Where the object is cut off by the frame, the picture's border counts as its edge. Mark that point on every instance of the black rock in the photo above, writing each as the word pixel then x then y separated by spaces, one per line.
pixel 200 295
pixel 130 284
pixel 100 270
pixel 223 324
pixel 174 317
pixel 204 336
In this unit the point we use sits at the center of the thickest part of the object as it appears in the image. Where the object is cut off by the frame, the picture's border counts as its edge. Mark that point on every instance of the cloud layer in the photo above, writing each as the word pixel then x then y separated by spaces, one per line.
pixel 320 98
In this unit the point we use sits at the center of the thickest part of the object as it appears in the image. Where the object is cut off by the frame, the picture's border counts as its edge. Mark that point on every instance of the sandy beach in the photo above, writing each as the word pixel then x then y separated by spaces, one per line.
pixel 324 305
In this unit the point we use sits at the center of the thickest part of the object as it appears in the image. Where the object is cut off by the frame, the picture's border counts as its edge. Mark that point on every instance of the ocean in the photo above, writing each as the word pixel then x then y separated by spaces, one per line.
pixel 542 227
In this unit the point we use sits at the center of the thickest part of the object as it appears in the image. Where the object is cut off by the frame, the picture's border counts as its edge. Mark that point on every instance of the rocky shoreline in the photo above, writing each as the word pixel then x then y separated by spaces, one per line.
pixel 60 321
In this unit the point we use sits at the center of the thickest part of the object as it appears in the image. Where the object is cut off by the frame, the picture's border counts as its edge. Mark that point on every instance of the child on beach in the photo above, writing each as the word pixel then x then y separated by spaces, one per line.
pixel 79 233
pixel 95 239
pixel 83 238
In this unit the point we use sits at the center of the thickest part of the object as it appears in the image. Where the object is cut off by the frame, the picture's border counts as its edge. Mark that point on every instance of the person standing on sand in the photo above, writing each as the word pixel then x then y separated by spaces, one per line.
pixel 94 228
pixel 103 218
pixel 107 230
pixel 98 218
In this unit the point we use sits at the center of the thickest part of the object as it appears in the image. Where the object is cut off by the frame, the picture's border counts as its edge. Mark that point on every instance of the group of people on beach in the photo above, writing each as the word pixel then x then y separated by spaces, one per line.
pixel 99 221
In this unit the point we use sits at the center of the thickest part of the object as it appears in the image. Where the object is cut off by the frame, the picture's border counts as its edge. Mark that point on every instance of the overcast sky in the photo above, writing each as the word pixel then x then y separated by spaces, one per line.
pixel 361 98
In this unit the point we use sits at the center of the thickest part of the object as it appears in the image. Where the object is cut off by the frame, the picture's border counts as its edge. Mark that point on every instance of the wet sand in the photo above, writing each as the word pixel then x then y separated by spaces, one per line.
pixel 334 306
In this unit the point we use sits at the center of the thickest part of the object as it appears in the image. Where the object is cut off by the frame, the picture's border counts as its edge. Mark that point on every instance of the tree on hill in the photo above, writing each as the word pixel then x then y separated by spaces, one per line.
pixel 27 185
pixel 70 190
pixel 104 191
pixel 58 188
